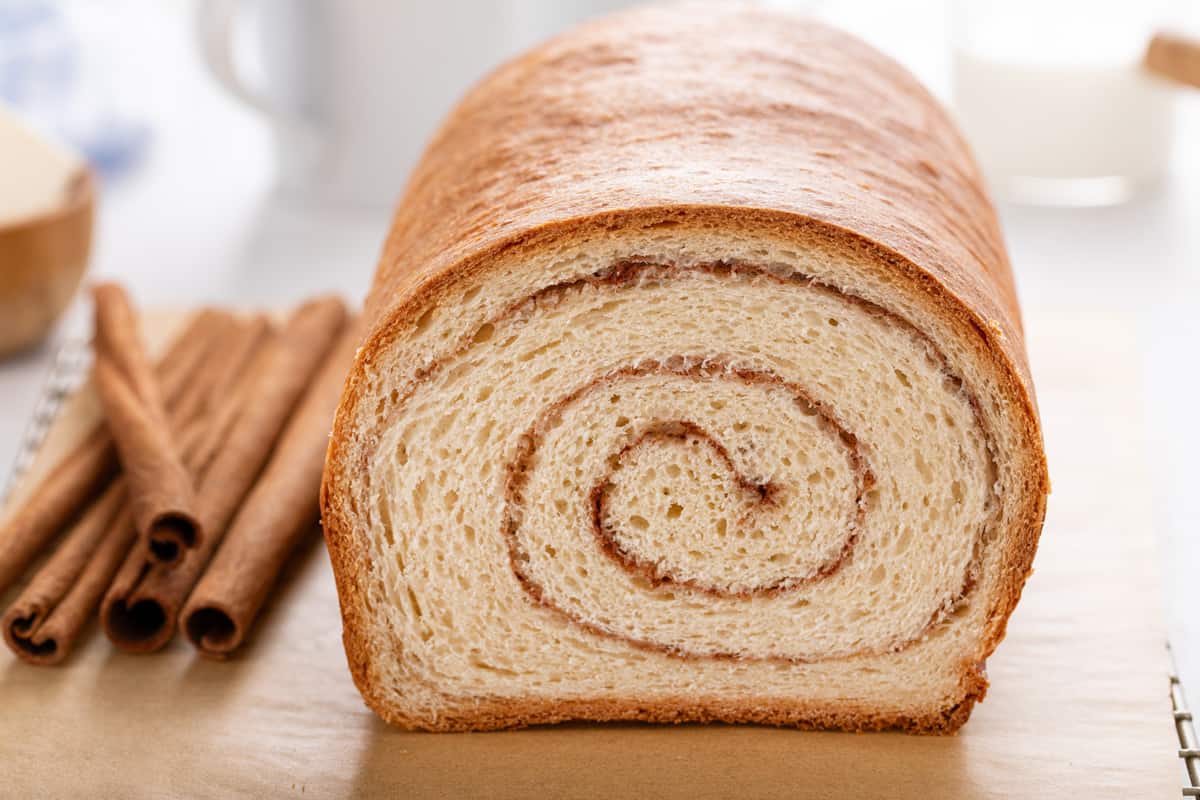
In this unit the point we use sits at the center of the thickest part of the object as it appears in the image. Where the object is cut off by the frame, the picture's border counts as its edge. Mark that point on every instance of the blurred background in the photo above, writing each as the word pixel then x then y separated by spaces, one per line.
pixel 250 152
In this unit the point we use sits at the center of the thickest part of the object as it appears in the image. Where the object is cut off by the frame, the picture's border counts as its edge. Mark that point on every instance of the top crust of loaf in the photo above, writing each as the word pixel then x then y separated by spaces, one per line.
pixel 575 130
pixel 788 130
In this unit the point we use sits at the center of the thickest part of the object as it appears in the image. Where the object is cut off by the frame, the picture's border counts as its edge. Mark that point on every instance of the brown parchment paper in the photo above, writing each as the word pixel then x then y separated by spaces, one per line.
pixel 1079 703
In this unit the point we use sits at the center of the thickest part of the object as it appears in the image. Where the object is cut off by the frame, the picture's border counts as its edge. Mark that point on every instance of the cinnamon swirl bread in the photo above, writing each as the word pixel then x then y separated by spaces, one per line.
pixel 695 390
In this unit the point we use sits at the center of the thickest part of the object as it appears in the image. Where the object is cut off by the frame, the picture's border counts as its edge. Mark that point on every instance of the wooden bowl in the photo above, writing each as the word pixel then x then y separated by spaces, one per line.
pixel 42 259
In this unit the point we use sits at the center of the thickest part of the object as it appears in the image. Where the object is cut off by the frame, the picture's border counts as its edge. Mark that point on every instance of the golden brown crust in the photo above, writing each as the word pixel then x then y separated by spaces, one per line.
pixel 730 118
pixel 494 714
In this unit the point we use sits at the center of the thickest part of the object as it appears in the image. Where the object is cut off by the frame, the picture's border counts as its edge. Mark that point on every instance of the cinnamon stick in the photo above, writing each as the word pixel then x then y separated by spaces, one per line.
pixel 236 348
pixel 279 512
pixel 140 610
pixel 42 625
pixel 161 493
pixel 69 486
pixel 224 401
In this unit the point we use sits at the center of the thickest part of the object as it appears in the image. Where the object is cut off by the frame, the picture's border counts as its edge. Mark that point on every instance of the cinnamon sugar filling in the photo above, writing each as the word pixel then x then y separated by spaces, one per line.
pixel 630 546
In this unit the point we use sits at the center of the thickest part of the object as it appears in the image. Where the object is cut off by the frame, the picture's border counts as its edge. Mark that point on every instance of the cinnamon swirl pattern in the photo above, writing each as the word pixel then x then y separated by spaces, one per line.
pixel 686 524
pixel 659 424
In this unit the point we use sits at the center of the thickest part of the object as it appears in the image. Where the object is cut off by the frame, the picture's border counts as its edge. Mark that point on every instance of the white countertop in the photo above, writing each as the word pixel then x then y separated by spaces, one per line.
pixel 199 222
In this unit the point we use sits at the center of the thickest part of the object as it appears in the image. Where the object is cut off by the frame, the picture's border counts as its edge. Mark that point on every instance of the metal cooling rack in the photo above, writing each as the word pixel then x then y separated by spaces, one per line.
pixel 67 373
pixel 70 369
pixel 1189 747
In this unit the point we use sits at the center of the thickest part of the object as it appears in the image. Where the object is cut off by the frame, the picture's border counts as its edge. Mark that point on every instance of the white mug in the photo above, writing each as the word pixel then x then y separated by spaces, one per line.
pixel 354 88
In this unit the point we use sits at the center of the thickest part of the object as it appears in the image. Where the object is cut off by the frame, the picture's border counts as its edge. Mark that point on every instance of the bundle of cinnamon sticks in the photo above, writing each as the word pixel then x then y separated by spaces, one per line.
pixel 181 508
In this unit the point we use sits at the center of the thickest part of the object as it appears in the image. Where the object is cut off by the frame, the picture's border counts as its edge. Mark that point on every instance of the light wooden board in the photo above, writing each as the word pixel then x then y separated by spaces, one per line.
pixel 1078 705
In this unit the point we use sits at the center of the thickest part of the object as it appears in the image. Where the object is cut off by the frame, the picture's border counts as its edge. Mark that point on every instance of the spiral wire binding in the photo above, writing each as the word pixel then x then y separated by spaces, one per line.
pixel 70 369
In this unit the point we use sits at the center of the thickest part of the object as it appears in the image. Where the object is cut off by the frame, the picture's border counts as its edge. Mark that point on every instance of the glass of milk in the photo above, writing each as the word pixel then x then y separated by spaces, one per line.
pixel 1053 99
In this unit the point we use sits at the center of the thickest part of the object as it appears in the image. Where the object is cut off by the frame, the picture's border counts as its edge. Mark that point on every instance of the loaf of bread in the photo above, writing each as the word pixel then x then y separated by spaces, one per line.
pixel 695 389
